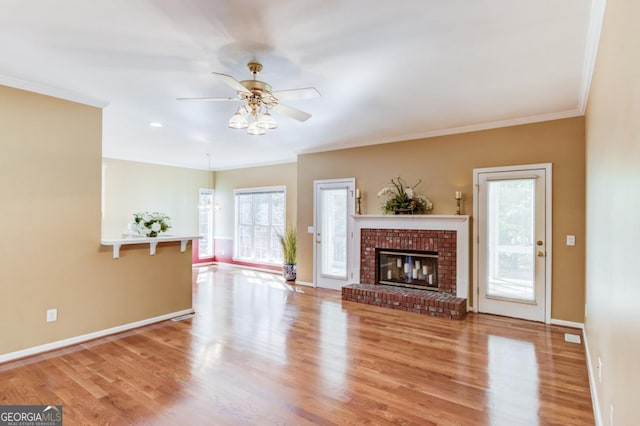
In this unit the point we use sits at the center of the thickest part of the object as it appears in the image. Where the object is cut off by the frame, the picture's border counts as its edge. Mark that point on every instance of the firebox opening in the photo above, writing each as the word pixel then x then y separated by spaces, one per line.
pixel 407 268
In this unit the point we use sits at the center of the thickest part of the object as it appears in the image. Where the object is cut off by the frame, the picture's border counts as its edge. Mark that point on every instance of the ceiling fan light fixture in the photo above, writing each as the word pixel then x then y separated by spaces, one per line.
pixel 255 130
pixel 259 100
pixel 267 122
pixel 238 121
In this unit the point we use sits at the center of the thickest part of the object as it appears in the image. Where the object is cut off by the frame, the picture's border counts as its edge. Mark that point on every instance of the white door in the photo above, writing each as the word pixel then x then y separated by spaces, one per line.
pixel 334 206
pixel 514 239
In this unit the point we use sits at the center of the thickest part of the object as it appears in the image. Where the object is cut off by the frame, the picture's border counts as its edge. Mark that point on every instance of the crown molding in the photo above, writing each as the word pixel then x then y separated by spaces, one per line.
pixel 43 89
pixel 596 21
pixel 456 130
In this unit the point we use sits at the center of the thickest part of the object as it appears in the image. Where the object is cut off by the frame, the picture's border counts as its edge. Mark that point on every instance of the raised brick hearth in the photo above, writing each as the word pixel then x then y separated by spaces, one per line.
pixel 434 303
pixel 447 235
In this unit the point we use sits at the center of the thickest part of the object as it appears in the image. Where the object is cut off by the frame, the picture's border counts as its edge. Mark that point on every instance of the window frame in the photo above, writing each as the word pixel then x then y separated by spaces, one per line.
pixel 280 189
pixel 210 219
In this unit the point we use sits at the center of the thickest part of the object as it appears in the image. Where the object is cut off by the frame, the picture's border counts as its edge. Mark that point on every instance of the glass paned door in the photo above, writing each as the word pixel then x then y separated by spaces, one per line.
pixel 334 232
pixel 511 257
pixel 334 206
pixel 512 236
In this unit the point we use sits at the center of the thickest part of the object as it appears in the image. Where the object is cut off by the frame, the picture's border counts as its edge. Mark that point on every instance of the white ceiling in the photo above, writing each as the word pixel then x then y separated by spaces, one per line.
pixel 387 70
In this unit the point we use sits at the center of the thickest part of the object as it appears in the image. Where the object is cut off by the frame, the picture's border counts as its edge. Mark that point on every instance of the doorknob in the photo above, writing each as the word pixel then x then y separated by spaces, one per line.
pixel 539 243
pixel 540 254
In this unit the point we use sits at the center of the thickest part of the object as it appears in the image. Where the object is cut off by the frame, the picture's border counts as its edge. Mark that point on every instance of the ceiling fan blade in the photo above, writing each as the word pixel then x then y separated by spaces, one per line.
pixel 231 82
pixel 208 99
pixel 292 112
pixel 296 94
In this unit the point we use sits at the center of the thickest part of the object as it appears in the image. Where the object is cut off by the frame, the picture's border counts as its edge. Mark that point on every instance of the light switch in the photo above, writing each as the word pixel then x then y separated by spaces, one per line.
pixel 571 240
pixel 310 229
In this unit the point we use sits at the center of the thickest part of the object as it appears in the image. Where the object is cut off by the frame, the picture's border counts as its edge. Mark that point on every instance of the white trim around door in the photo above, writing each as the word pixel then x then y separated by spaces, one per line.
pixel 333 232
pixel 519 169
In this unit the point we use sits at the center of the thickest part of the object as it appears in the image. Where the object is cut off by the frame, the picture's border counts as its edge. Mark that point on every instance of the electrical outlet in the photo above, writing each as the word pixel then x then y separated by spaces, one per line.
pixel 599 370
pixel 611 415
pixel 571 240
pixel 52 315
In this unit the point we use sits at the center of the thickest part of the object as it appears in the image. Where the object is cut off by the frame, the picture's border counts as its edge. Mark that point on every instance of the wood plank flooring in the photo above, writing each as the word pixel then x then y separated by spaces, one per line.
pixel 262 352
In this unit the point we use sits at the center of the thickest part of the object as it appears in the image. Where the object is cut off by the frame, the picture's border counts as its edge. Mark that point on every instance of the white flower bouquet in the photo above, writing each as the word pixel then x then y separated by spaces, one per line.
pixel 401 199
pixel 150 224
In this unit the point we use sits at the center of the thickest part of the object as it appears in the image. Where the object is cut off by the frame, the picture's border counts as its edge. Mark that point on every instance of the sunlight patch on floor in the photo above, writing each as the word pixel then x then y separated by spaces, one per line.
pixel 513 380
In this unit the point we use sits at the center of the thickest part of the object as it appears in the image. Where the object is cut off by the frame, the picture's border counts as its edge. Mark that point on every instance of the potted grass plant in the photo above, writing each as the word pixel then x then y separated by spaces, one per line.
pixel 289 242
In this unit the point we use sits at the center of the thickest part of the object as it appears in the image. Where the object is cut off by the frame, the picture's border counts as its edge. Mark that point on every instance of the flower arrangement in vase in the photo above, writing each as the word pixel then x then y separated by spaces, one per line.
pixel 150 224
pixel 402 199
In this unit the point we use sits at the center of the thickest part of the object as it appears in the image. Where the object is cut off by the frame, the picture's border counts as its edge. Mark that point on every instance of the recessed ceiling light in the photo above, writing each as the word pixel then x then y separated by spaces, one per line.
pixel 155 124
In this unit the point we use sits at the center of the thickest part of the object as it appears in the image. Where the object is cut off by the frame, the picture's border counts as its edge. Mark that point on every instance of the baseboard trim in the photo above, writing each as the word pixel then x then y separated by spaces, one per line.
pixel 592 381
pixel 240 266
pixel 567 323
pixel 35 350
pixel 254 268
pixel 207 263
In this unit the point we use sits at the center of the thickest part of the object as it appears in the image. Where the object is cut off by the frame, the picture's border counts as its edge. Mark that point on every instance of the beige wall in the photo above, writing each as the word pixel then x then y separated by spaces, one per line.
pixel 251 177
pixel 50 252
pixel 445 165
pixel 131 187
pixel 613 206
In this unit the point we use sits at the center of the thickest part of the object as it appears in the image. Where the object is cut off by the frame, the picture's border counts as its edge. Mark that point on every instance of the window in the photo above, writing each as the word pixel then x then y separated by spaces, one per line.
pixel 260 217
pixel 205 223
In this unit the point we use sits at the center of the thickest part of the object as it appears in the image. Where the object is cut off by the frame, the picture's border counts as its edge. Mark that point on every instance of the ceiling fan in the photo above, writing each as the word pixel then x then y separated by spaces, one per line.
pixel 255 114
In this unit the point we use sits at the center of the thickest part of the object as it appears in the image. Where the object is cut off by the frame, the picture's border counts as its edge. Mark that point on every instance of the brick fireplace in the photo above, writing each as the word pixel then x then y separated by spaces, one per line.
pixel 442 242
pixel 446 235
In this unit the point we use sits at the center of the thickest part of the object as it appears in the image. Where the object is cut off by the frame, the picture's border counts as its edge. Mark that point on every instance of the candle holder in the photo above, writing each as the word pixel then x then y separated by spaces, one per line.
pixel 458 202
pixel 358 201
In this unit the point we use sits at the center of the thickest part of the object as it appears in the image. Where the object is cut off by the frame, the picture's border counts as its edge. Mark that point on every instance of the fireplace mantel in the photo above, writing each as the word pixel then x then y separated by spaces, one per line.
pixel 458 223
pixel 404 218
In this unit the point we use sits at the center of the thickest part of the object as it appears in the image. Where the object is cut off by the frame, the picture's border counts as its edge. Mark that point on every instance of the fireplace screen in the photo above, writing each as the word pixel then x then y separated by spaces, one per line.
pixel 407 268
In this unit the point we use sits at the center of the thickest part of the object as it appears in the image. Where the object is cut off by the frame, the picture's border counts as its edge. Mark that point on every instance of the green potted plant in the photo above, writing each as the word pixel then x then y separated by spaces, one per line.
pixel 289 241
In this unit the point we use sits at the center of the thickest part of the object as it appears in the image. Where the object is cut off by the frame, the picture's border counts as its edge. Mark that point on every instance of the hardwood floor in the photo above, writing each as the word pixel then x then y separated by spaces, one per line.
pixel 262 352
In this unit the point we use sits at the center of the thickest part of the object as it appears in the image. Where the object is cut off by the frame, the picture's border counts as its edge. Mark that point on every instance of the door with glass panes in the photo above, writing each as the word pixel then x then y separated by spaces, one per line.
pixel 513 241
pixel 334 205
